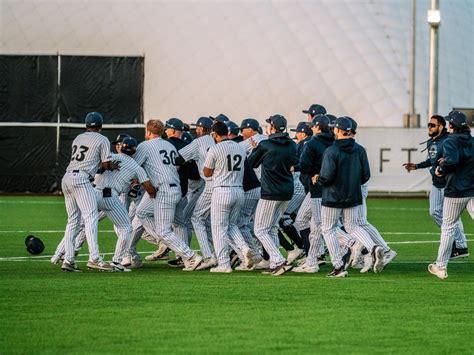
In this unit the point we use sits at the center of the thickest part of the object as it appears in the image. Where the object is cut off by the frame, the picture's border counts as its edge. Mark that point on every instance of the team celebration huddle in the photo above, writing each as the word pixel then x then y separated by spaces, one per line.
pixel 247 195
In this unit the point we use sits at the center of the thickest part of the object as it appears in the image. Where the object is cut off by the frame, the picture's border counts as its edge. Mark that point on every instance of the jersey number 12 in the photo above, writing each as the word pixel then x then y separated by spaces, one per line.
pixel 237 160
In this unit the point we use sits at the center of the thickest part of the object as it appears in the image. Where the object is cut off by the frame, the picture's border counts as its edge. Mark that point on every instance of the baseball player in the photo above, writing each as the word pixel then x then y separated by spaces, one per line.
pixel 457 166
pixel 158 158
pixel 344 169
pixel 313 110
pixel 438 134
pixel 197 151
pixel 90 150
pixel 276 156
pixel 225 163
pixel 234 130
pixel 310 164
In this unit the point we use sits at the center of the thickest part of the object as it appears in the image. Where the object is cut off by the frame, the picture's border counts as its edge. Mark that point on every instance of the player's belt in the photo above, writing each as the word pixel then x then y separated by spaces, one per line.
pixel 173 185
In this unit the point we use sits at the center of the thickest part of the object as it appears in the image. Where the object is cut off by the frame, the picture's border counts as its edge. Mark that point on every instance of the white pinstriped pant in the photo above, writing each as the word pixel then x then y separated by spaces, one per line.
pixel 80 202
pixel 160 227
pixel 329 221
pixel 267 215
pixel 295 203
pixel 244 221
pixel 199 219
pixel 436 212
pixel 452 209
pixel 225 210
pixel 364 223
pixel 195 189
pixel 303 218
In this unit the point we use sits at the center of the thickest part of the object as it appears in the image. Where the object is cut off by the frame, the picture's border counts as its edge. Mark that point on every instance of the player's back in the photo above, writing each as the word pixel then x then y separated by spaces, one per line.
pixel 158 158
pixel 197 151
pixel 229 159
pixel 119 180
pixel 89 149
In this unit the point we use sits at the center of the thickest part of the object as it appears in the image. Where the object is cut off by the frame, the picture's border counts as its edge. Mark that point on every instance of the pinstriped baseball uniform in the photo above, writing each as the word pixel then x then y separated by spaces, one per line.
pixel 197 150
pixel 295 203
pixel 257 138
pixel 303 217
pixel 227 160
pixel 89 149
pixel 157 157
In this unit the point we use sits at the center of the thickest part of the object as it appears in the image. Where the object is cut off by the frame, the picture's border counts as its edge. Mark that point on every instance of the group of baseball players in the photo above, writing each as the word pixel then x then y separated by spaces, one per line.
pixel 247 195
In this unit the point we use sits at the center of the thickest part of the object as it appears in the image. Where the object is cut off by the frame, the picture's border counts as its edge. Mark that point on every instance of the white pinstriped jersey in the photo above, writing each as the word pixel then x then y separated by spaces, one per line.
pixel 89 149
pixel 119 180
pixel 158 158
pixel 248 146
pixel 227 158
pixel 197 150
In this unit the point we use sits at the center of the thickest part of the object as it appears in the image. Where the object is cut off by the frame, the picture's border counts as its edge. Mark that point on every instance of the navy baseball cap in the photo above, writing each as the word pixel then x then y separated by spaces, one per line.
pixel 175 123
pixel 278 122
pixel 187 137
pixel 353 123
pixel 332 119
pixel 344 124
pixel 250 123
pixel 221 118
pixel 233 128
pixel 456 119
pixel 303 127
pixel 315 109
pixel 120 138
pixel 205 122
pixel 94 119
pixel 321 121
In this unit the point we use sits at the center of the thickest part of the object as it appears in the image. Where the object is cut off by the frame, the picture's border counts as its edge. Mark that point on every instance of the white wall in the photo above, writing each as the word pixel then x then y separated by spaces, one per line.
pixel 256 58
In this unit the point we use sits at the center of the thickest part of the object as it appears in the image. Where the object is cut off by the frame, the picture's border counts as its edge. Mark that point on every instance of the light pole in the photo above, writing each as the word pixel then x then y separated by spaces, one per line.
pixel 412 119
pixel 434 20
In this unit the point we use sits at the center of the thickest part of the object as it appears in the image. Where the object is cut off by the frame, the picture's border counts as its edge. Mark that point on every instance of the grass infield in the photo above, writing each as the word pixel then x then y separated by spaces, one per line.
pixel 162 310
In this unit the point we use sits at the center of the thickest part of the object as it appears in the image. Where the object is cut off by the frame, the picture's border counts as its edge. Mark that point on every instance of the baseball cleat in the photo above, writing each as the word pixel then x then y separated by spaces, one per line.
pixel 356 254
pixel 305 268
pixel 249 258
pixel 135 264
pixel 178 262
pixel 294 254
pixel 99 265
pixel 378 262
pixel 234 259
pixel 119 267
pixel 70 267
pixel 346 259
pixel 368 263
pixel 160 254
pixel 127 261
pixel 56 259
pixel 263 265
pixel 389 256
pixel 225 270
pixel 438 271
pixel 281 269
pixel 243 267
pixel 207 263
pixel 338 273
pixel 321 260
pixel 458 253
pixel 192 263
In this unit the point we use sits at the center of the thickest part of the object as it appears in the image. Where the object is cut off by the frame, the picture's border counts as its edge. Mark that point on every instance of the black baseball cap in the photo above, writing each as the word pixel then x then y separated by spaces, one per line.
pixel 332 119
pixel 220 117
pixel 120 138
pixel 303 127
pixel 205 122
pixel 353 123
pixel 456 119
pixel 278 122
pixel 175 123
pixel 250 123
pixel 233 128
pixel 187 137
pixel 344 124
pixel 315 109
pixel 320 120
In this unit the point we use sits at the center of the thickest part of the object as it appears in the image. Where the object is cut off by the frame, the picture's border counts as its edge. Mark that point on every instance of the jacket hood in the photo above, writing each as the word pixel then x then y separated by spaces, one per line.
pixel 280 138
pixel 464 139
pixel 346 145
pixel 326 137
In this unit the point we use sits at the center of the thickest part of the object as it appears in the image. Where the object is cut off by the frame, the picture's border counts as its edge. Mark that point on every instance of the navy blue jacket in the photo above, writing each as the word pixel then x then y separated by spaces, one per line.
pixel 304 178
pixel 277 155
pixel 250 180
pixel 183 171
pixel 458 165
pixel 435 151
pixel 344 169
pixel 312 158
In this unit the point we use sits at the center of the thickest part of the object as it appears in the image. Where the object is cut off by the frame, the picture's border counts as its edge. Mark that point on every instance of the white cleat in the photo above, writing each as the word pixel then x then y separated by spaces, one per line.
pixel 249 259
pixel 225 270
pixel 99 265
pixel 207 263
pixel 438 271
pixel 263 265
pixel 356 256
pixel 56 259
pixel 389 256
pixel 304 268
pixel 119 267
pixel 378 262
pixel 242 267
pixel 368 263
pixel 294 254
pixel 70 267
pixel 160 254
pixel 192 263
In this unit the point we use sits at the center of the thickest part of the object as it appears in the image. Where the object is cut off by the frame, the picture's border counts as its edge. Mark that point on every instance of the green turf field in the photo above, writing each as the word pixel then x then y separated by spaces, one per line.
pixel 163 310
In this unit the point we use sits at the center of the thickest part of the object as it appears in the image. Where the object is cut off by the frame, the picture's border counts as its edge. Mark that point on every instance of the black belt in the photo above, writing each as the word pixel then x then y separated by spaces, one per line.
pixel 76 171
pixel 173 185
